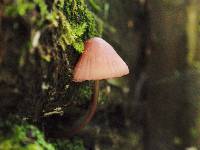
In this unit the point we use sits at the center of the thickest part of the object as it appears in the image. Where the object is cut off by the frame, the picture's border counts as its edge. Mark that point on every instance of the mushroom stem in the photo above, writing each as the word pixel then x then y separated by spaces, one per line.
pixel 92 109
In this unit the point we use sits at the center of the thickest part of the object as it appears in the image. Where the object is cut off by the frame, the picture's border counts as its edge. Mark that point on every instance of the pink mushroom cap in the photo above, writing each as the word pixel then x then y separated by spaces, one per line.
pixel 99 61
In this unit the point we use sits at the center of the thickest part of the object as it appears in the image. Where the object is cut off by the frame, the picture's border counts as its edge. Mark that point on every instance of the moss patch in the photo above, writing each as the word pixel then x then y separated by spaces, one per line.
pixel 74 144
pixel 24 137
pixel 77 24
pixel 45 41
pixel 74 21
pixel 36 10
pixel 28 137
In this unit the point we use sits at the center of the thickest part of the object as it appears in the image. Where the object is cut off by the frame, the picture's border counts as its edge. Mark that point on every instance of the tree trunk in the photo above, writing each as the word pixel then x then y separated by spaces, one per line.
pixel 40 43
pixel 167 106
pixel 193 58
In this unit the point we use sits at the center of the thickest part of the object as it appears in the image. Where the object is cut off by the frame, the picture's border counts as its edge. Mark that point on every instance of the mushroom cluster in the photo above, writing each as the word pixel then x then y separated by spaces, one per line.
pixel 98 61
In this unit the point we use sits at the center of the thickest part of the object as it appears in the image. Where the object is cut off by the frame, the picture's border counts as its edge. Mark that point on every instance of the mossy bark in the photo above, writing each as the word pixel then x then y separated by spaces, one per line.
pixel 39 47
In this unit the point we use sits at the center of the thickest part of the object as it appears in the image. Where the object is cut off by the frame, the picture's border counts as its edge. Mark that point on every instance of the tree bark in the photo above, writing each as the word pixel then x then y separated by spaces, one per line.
pixel 193 59
pixel 167 106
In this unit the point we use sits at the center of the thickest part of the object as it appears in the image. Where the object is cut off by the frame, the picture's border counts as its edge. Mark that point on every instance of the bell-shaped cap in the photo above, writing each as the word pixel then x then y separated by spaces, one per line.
pixel 99 61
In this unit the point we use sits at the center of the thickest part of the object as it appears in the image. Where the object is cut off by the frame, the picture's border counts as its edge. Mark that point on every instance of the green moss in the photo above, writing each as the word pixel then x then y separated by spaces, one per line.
pixel 24 137
pixel 67 23
pixel 71 34
pixel 75 22
pixel 85 92
pixel 26 8
pixel 19 7
pixel 75 144
pixel 28 137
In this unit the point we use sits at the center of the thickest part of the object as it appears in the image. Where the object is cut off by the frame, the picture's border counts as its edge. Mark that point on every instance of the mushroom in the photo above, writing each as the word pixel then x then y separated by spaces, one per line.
pixel 98 61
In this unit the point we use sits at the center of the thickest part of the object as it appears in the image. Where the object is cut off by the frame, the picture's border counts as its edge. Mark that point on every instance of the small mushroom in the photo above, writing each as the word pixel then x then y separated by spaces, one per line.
pixel 98 61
